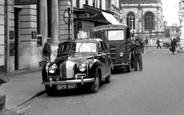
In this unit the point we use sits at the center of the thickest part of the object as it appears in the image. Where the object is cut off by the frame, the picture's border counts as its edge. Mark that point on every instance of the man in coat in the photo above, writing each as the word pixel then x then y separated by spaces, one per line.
pixel 146 42
pixel 158 43
pixel 137 55
pixel 47 50
pixel 173 45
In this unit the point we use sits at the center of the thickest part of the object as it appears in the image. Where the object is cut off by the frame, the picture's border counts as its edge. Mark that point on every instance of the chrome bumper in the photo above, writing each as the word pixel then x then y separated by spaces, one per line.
pixel 82 81
pixel 120 64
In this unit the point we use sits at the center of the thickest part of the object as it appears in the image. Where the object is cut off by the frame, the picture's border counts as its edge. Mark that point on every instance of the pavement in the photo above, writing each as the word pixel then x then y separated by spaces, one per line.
pixel 22 88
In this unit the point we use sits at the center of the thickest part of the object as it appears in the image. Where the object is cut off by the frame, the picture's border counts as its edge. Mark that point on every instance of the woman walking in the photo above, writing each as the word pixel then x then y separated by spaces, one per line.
pixel 173 45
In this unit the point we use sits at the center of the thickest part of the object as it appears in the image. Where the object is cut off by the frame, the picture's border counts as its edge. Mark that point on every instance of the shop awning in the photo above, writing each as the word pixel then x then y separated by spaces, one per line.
pixel 110 18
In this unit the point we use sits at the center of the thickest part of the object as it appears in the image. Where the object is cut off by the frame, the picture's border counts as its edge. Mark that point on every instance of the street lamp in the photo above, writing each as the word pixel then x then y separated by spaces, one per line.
pixel 67 19
pixel 140 19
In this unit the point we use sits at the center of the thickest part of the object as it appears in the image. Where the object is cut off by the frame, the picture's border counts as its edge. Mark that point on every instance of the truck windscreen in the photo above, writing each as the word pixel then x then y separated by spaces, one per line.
pixel 115 35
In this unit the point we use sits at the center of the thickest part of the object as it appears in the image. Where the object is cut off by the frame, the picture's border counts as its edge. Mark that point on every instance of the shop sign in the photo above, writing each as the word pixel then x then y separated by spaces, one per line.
pixel 25 2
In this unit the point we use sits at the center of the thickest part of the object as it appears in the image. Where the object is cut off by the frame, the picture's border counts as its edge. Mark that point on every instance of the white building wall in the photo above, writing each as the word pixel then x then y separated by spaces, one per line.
pixel 90 2
pixel 29 53
pixel 104 4
pixel 82 2
pixel 138 13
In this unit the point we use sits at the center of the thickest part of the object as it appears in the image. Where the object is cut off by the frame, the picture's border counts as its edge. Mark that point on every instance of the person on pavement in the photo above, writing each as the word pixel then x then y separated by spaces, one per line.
pixel 137 55
pixel 142 45
pixel 146 42
pixel 173 45
pixel 158 43
pixel 47 50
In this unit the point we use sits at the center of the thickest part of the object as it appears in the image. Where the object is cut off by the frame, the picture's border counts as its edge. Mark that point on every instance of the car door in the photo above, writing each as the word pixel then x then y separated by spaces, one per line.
pixel 104 58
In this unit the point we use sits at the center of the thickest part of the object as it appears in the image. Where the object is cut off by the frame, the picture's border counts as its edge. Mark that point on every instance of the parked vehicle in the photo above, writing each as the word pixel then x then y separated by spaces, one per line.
pixel 166 44
pixel 83 62
pixel 118 39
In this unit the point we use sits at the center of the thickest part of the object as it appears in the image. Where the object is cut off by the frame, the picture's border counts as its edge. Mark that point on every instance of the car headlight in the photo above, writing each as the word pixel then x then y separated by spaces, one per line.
pixel 82 67
pixel 121 54
pixel 52 68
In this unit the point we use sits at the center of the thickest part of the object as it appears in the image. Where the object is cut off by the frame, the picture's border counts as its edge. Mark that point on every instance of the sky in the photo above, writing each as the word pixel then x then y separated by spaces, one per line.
pixel 170 11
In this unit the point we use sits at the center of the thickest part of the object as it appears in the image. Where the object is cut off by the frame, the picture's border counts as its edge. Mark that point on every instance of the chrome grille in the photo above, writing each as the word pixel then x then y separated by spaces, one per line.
pixel 67 70
pixel 113 52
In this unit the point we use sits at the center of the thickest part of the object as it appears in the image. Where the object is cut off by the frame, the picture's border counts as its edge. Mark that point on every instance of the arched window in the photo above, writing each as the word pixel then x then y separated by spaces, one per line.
pixel 131 20
pixel 149 21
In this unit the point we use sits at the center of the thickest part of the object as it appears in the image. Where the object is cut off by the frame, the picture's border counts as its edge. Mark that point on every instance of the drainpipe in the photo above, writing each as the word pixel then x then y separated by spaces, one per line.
pixel 7 51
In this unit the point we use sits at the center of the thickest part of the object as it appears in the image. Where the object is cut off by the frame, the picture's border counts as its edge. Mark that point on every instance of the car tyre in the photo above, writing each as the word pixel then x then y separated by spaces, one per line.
pixel 108 78
pixel 95 85
pixel 51 91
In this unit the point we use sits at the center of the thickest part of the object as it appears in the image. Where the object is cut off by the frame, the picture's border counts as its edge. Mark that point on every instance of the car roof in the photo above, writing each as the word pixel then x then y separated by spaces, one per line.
pixel 85 40
pixel 109 27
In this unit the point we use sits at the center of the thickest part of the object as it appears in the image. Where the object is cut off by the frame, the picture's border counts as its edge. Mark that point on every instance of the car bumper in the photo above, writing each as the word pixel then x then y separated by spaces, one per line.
pixel 120 65
pixel 75 81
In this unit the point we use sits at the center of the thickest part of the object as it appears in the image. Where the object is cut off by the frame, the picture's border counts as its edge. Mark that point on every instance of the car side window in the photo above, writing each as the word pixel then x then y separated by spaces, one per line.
pixel 104 47
pixel 100 47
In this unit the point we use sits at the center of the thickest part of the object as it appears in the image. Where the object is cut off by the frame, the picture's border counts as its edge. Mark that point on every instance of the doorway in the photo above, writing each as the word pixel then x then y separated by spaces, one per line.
pixel 16 23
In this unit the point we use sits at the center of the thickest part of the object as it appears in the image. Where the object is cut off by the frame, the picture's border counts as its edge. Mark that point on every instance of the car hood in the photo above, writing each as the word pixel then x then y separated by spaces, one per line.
pixel 76 58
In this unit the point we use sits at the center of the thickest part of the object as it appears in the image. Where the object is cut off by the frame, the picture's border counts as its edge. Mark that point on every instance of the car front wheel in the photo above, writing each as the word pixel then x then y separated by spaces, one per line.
pixel 95 85
pixel 51 91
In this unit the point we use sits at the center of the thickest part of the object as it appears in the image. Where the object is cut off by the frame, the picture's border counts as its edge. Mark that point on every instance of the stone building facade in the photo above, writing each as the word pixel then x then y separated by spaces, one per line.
pixel 18 25
pixel 31 22
pixel 144 17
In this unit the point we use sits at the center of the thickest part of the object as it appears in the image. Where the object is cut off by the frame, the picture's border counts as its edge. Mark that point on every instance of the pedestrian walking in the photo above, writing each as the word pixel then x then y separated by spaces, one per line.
pixel 47 50
pixel 173 45
pixel 158 43
pixel 142 45
pixel 146 42
pixel 137 55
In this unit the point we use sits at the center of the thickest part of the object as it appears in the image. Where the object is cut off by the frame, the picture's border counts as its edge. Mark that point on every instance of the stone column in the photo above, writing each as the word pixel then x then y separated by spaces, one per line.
pixel 55 21
pixel 43 20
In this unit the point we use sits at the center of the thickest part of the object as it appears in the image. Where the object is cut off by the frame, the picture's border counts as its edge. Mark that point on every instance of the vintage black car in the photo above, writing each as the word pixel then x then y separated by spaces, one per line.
pixel 84 62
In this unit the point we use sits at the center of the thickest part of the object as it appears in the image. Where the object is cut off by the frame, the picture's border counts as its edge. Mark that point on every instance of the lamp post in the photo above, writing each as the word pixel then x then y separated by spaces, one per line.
pixel 140 19
pixel 7 52
pixel 67 19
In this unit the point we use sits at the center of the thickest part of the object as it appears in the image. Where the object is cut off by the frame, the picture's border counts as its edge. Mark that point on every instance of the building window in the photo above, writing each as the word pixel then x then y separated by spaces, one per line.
pixel 78 3
pixel 131 20
pixel 94 3
pixel 109 4
pixel 86 2
pixel 100 4
pixel 149 21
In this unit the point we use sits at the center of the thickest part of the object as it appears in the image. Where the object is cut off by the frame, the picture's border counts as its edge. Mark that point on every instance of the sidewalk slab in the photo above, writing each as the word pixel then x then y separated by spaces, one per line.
pixel 21 88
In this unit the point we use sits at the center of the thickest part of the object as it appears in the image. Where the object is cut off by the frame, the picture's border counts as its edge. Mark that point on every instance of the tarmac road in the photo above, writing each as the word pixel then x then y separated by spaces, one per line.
pixel 157 90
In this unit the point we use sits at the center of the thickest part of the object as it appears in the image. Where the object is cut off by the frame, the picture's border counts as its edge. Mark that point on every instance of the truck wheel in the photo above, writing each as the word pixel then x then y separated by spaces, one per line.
pixel 95 85
pixel 108 78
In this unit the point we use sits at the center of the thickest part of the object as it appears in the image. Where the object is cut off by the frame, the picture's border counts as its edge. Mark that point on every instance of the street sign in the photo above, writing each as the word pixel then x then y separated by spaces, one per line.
pixel 25 2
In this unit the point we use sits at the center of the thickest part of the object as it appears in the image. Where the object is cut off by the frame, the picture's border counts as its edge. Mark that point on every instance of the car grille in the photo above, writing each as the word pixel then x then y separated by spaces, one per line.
pixel 67 70
pixel 113 53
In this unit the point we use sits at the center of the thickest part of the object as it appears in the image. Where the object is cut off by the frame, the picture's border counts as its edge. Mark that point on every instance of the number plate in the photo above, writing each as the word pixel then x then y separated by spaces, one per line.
pixel 66 86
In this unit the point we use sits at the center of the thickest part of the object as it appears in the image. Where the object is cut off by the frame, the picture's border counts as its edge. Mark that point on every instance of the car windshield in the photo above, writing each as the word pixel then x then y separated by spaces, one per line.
pixel 85 47
pixel 80 47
